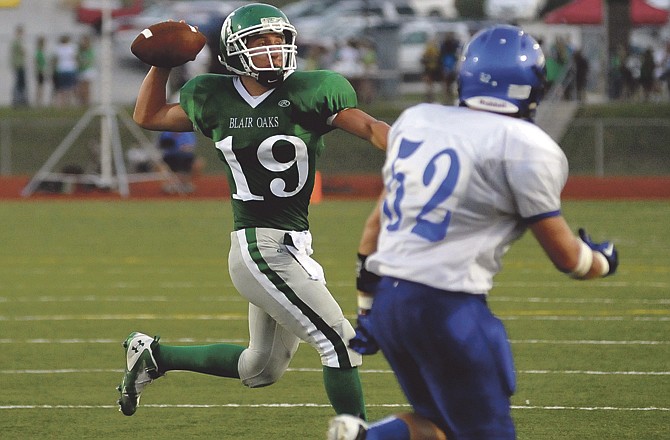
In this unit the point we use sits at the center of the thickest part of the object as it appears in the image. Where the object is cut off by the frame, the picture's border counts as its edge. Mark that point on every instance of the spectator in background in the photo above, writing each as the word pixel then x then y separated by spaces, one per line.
pixel 616 73
pixel 348 62
pixel 178 149
pixel 581 66
pixel 665 68
pixel 557 63
pixel 41 71
pixel 65 72
pixel 86 70
pixel 18 63
pixel 449 51
pixel 366 86
pixel 630 73
pixel 318 57
pixel 432 67
pixel 648 74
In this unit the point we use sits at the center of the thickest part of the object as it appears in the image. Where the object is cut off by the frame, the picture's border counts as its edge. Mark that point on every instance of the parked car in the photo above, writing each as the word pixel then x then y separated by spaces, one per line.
pixel 435 8
pixel 306 8
pixel 511 10
pixel 90 11
pixel 346 18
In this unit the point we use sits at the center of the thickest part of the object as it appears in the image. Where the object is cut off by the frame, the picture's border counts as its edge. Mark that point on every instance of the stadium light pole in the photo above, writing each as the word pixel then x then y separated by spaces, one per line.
pixel 108 115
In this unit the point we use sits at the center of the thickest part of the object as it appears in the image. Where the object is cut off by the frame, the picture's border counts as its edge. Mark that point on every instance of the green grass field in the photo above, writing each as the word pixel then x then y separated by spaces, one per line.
pixel 593 358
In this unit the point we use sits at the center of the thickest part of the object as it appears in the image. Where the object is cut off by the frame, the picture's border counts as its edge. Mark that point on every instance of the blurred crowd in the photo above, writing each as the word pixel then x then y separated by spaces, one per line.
pixel 63 70
pixel 355 59
pixel 641 75
pixel 632 74
pixel 439 62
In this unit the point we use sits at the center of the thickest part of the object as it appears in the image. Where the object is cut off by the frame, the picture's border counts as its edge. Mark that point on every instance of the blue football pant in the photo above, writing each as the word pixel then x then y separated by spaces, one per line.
pixel 451 357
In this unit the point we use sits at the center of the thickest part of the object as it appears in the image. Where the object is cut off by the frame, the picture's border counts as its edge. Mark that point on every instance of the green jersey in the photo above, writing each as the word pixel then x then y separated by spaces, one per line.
pixel 269 144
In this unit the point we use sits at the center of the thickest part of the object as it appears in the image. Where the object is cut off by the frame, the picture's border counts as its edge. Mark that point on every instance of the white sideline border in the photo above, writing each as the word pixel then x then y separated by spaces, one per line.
pixel 318 405
pixel 363 371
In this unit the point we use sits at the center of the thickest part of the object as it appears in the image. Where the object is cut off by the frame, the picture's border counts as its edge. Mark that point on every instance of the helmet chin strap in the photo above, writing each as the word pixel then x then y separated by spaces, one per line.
pixel 270 79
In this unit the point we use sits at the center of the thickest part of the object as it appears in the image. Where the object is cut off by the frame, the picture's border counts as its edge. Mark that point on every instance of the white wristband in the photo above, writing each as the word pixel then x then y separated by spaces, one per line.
pixel 585 261
pixel 365 302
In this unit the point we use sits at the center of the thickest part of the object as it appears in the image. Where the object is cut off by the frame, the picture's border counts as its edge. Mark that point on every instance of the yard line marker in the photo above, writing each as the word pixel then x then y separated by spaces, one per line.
pixel 594 283
pixel 582 318
pixel 319 405
pixel 530 316
pixel 551 300
pixel 243 341
pixel 599 373
pixel 586 342
pixel 191 340
pixel 146 317
pixel 237 298
pixel 589 408
pixel 363 371
pixel 116 341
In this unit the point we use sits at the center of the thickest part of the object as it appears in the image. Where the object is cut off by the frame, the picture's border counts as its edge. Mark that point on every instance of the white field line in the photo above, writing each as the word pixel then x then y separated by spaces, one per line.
pixel 585 342
pixel 225 284
pixel 541 315
pixel 317 405
pixel 117 341
pixel 123 317
pixel 319 371
pixel 207 340
pixel 236 298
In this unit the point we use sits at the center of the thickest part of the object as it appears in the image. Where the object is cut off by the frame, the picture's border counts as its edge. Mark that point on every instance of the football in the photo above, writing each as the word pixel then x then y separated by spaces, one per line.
pixel 168 44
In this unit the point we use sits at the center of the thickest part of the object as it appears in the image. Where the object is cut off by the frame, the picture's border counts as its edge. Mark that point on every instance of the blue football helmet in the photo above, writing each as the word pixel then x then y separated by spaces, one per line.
pixel 502 70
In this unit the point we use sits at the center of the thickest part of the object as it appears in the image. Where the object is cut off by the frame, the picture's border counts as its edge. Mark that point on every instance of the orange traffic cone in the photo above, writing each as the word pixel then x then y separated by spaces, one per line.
pixel 317 192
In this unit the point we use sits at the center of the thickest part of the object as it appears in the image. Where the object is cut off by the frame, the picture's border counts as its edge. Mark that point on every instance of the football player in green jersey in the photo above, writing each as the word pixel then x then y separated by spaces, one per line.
pixel 267 121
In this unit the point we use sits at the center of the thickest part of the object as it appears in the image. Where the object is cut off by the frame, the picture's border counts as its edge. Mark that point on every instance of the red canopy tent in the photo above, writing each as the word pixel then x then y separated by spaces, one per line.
pixel 591 12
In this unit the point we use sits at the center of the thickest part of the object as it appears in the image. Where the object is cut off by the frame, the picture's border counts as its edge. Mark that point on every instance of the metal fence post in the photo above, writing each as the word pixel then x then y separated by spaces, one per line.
pixel 600 147
pixel 5 148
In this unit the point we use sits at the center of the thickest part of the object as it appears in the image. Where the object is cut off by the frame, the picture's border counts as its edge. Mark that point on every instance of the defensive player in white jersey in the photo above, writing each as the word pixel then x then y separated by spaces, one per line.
pixel 267 121
pixel 461 184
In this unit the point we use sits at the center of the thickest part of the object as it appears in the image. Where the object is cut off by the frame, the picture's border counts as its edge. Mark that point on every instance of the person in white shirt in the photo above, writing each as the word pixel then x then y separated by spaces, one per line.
pixel 65 67
pixel 461 185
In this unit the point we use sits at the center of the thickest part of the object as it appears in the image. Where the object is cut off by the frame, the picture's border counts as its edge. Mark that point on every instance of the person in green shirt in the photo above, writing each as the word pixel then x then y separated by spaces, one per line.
pixel 267 121
pixel 41 70
pixel 18 63
pixel 85 69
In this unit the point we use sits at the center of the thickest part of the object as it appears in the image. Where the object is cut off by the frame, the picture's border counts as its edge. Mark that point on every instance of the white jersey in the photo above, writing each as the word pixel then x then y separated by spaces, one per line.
pixel 461 186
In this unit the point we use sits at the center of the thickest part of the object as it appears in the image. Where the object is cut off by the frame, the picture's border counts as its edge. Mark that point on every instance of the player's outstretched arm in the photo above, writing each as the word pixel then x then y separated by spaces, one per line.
pixel 152 111
pixel 361 124
pixel 579 257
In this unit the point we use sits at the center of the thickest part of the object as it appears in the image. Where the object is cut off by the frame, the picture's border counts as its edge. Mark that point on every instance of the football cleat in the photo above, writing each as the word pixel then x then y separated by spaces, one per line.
pixel 347 427
pixel 141 369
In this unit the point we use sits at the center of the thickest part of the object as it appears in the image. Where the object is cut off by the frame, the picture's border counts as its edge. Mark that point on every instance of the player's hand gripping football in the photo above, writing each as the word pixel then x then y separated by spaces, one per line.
pixel 364 343
pixel 168 44
pixel 606 248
